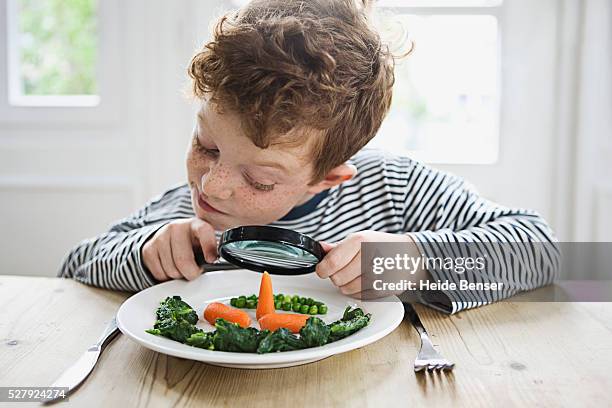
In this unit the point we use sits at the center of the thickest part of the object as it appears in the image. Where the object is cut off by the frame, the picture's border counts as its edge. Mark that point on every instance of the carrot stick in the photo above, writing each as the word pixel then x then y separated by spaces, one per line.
pixel 290 321
pixel 265 303
pixel 218 310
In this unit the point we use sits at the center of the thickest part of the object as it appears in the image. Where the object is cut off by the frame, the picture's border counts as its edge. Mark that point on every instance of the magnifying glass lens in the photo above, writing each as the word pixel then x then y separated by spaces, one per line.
pixel 271 253
pixel 273 249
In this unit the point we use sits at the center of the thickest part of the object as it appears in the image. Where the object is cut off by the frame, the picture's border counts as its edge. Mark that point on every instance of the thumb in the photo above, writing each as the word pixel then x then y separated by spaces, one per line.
pixel 203 235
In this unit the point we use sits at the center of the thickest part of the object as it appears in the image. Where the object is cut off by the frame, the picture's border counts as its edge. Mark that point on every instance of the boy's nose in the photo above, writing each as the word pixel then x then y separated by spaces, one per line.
pixel 214 184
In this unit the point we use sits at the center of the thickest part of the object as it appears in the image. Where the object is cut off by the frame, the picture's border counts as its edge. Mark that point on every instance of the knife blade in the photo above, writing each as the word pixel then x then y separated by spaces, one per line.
pixel 74 375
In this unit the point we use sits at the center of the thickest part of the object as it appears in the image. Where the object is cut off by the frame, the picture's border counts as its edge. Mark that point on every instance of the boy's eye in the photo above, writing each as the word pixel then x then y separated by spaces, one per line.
pixel 263 187
pixel 214 153
pixel 257 185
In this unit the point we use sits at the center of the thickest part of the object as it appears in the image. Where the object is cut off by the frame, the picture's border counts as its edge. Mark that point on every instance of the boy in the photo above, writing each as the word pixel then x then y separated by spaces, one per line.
pixel 290 92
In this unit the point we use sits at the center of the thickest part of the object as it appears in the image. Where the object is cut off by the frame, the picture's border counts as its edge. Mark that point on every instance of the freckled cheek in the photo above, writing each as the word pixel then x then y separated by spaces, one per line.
pixel 248 199
pixel 272 204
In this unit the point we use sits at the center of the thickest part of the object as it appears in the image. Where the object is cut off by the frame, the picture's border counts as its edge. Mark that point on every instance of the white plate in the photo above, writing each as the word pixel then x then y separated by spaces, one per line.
pixel 137 314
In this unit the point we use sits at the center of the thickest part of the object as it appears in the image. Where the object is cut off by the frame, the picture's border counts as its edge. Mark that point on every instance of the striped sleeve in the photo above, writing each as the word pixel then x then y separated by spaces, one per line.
pixel 443 214
pixel 113 260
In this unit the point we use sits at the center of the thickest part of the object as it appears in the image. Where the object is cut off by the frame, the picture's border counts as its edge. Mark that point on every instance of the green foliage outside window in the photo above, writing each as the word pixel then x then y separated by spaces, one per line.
pixel 57 46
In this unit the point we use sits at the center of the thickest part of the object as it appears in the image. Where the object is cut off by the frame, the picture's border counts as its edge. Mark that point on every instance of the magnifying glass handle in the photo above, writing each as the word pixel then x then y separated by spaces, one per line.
pixel 219 266
pixel 215 266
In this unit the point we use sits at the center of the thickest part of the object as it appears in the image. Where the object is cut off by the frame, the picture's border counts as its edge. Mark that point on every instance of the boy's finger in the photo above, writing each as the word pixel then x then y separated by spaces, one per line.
pixel 352 288
pixel 165 254
pixel 182 254
pixel 205 236
pixel 154 265
pixel 348 273
pixel 338 257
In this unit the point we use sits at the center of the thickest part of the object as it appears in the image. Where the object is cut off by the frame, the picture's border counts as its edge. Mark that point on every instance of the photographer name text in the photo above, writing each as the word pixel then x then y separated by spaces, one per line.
pixel 426 285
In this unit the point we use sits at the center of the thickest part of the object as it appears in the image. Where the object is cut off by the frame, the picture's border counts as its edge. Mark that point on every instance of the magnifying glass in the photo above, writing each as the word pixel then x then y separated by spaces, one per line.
pixel 275 250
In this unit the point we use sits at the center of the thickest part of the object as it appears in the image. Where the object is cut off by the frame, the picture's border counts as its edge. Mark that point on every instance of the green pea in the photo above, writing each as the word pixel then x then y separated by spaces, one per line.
pixel 287 306
pixel 304 309
pixel 313 310
pixel 311 301
pixel 287 299
pixel 303 300
pixel 323 309
pixel 297 307
pixel 250 304
pixel 241 302
pixel 317 303
pixel 295 298
pixel 278 305
pixel 233 301
pixel 280 296
pixel 252 297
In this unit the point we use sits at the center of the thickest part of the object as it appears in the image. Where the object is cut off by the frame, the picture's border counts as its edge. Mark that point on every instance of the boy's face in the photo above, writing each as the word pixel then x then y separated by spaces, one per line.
pixel 233 182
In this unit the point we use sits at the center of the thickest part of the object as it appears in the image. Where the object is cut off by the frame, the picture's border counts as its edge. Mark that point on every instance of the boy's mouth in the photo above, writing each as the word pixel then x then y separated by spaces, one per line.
pixel 204 205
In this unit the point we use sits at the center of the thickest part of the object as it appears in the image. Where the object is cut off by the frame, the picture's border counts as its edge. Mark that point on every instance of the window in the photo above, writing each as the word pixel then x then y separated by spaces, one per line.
pixel 445 105
pixel 52 52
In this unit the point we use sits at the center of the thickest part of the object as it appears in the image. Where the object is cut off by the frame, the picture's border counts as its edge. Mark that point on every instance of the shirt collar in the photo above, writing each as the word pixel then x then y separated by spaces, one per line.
pixel 306 208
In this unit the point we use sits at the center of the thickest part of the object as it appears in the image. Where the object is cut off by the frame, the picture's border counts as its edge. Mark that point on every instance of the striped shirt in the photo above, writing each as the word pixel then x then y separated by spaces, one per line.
pixel 389 193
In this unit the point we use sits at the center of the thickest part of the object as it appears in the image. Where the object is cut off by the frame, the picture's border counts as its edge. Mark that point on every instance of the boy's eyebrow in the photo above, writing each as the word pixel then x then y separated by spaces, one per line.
pixel 278 166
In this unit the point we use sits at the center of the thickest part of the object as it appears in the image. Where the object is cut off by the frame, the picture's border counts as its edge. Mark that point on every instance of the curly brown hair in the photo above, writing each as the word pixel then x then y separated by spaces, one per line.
pixel 300 64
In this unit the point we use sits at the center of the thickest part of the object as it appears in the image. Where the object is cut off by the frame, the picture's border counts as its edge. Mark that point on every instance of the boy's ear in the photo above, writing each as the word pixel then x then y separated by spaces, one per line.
pixel 337 175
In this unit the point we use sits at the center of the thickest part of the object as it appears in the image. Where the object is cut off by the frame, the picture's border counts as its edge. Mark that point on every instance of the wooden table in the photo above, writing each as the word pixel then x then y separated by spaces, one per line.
pixel 507 354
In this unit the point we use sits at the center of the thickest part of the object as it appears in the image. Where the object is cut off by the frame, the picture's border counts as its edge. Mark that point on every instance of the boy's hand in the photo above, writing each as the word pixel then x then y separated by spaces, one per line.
pixel 342 262
pixel 169 254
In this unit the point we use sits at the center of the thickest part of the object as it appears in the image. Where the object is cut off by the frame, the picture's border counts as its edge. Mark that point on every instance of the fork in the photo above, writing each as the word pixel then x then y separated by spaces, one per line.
pixel 428 358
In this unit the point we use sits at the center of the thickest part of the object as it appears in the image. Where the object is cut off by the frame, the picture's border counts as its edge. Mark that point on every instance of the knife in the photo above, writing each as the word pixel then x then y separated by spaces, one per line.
pixel 78 372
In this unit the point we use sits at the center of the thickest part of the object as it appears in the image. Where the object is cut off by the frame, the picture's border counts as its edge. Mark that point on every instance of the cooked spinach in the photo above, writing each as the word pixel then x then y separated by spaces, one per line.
pixel 352 321
pixel 176 320
pixel 202 340
pixel 231 337
pixel 280 340
pixel 350 313
pixel 175 308
pixel 315 332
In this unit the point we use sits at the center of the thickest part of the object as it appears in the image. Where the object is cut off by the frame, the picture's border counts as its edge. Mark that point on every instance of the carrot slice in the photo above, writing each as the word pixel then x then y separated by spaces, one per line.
pixel 292 322
pixel 265 303
pixel 218 310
